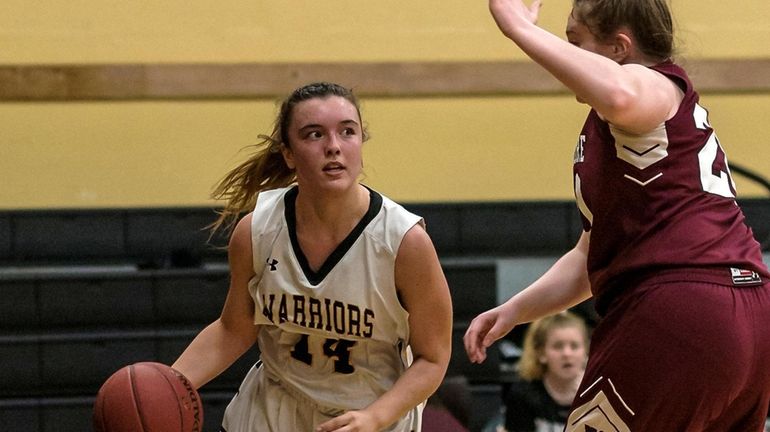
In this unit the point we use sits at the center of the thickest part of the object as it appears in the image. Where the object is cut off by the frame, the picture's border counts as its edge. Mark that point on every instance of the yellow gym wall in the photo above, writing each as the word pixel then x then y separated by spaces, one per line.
pixel 64 154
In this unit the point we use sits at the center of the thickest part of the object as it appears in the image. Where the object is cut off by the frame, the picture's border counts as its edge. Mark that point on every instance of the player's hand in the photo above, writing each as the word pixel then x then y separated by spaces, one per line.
pixel 484 330
pixel 351 421
pixel 510 14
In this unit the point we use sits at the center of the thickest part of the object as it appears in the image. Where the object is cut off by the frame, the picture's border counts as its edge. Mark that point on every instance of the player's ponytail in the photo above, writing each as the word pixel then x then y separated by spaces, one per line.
pixel 264 170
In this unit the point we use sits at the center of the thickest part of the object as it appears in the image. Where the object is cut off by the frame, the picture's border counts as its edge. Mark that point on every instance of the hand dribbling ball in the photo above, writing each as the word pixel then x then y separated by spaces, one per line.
pixel 147 397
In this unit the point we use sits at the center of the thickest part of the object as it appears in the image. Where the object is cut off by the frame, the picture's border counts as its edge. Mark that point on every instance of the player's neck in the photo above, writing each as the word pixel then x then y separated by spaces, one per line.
pixel 333 216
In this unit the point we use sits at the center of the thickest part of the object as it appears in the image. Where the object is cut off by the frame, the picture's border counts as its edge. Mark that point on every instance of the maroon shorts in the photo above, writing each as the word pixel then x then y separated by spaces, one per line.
pixel 679 354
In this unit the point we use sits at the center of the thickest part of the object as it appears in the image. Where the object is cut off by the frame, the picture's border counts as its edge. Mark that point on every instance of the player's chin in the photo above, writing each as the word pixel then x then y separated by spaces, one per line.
pixel 341 182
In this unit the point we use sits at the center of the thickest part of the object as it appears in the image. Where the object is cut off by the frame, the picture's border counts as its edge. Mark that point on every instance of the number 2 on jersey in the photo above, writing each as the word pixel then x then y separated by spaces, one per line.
pixel 714 171
pixel 339 349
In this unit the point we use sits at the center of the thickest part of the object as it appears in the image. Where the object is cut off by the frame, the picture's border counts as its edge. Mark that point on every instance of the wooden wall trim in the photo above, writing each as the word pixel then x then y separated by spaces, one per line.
pixel 253 80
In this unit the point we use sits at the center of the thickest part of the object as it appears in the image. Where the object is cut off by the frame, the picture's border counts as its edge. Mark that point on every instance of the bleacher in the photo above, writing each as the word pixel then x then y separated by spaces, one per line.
pixel 86 292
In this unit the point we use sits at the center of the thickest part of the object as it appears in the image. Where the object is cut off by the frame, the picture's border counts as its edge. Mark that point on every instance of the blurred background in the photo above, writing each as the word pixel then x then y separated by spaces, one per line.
pixel 446 124
pixel 117 119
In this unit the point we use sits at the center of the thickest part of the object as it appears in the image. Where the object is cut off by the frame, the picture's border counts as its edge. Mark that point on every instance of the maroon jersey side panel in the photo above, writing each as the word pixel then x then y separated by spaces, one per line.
pixel 660 200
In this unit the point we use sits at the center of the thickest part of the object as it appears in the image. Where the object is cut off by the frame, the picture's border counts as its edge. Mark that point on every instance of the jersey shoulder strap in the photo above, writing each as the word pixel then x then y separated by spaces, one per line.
pixel 266 224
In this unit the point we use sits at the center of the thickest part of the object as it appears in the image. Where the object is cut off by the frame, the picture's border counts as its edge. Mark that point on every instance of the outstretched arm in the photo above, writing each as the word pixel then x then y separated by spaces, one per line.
pixel 424 293
pixel 221 343
pixel 564 285
pixel 628 95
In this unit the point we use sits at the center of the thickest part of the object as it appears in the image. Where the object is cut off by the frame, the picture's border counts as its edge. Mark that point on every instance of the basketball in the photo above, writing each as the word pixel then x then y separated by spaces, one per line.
pixel 147 397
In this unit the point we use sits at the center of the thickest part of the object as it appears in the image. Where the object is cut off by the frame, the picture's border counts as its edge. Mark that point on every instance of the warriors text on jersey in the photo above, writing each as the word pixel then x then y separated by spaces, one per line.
pixel 337 336
pixel 664 199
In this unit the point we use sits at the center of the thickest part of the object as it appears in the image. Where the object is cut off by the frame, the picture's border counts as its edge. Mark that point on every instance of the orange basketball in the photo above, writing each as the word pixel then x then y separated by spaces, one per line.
pixel 147 397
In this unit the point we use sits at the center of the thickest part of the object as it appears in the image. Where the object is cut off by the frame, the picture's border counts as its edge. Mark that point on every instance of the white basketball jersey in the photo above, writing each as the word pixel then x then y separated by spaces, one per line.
pixel 337 336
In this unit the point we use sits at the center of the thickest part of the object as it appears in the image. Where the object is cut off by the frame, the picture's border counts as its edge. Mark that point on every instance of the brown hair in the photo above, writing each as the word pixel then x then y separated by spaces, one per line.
pixel 529 366
pixel 649 20
pixel 266 168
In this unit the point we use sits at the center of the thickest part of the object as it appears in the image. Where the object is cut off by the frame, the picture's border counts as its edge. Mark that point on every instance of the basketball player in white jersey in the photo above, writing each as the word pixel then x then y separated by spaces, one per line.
pixel 340 286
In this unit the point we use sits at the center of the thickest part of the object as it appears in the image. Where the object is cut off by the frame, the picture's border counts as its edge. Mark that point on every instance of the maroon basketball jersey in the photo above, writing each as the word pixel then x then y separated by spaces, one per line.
pixel 660 200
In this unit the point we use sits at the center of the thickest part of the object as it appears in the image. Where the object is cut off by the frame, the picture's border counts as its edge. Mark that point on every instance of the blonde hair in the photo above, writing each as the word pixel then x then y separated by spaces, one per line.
pixel 530 367
pixel 266 169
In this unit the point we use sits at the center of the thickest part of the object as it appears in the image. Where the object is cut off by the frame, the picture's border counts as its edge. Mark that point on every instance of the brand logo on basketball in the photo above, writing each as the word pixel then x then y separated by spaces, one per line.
pixel 191 401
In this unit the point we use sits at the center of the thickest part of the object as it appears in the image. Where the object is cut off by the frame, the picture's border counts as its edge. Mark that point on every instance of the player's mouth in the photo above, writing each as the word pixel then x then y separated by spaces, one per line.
pixel 334 167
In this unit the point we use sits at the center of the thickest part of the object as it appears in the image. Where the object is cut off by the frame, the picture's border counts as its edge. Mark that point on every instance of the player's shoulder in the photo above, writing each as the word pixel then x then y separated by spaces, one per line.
pixel 391 219
pixel 240 245
pixel 416 236
pixel 270 198
pixel 243 226
pixel 269 211
pixel 393 209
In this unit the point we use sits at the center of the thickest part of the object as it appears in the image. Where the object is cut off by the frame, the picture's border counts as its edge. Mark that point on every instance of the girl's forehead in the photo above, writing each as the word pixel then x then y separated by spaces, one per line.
pixel 576 26
pixel 331 107
pixel 324 104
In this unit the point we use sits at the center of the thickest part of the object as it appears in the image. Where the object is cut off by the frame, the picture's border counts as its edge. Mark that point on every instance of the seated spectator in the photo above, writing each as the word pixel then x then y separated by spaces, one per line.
pixel 551 367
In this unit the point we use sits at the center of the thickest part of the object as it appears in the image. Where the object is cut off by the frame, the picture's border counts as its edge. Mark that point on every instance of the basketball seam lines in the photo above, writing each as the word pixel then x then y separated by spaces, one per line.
pixel 134 391
pixel 180 404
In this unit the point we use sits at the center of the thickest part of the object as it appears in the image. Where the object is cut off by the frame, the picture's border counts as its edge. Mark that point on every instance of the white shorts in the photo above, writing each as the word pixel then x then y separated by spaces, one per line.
pixel 263 404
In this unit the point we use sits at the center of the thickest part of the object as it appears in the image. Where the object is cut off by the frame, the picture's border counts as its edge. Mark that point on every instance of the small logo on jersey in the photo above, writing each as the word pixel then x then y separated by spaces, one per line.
pixel 579 156
pixel 744 277
pixel 273 263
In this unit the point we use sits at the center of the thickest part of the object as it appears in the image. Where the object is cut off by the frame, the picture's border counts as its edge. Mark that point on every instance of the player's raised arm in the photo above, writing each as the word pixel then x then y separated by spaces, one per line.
pixel 610 75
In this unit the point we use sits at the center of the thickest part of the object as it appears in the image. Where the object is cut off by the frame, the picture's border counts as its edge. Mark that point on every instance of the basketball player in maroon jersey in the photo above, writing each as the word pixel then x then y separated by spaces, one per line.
pixel 676 274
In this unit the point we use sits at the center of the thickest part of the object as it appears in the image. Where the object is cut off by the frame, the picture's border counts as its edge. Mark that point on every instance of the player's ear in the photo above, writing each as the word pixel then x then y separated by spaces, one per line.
pixel 621 47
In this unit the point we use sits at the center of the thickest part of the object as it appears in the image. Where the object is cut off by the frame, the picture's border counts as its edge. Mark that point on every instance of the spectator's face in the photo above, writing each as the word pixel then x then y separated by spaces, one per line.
pixel 565 353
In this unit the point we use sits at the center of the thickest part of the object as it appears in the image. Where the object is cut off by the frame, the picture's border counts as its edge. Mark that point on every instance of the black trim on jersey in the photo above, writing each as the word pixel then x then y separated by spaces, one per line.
pixel 289 200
